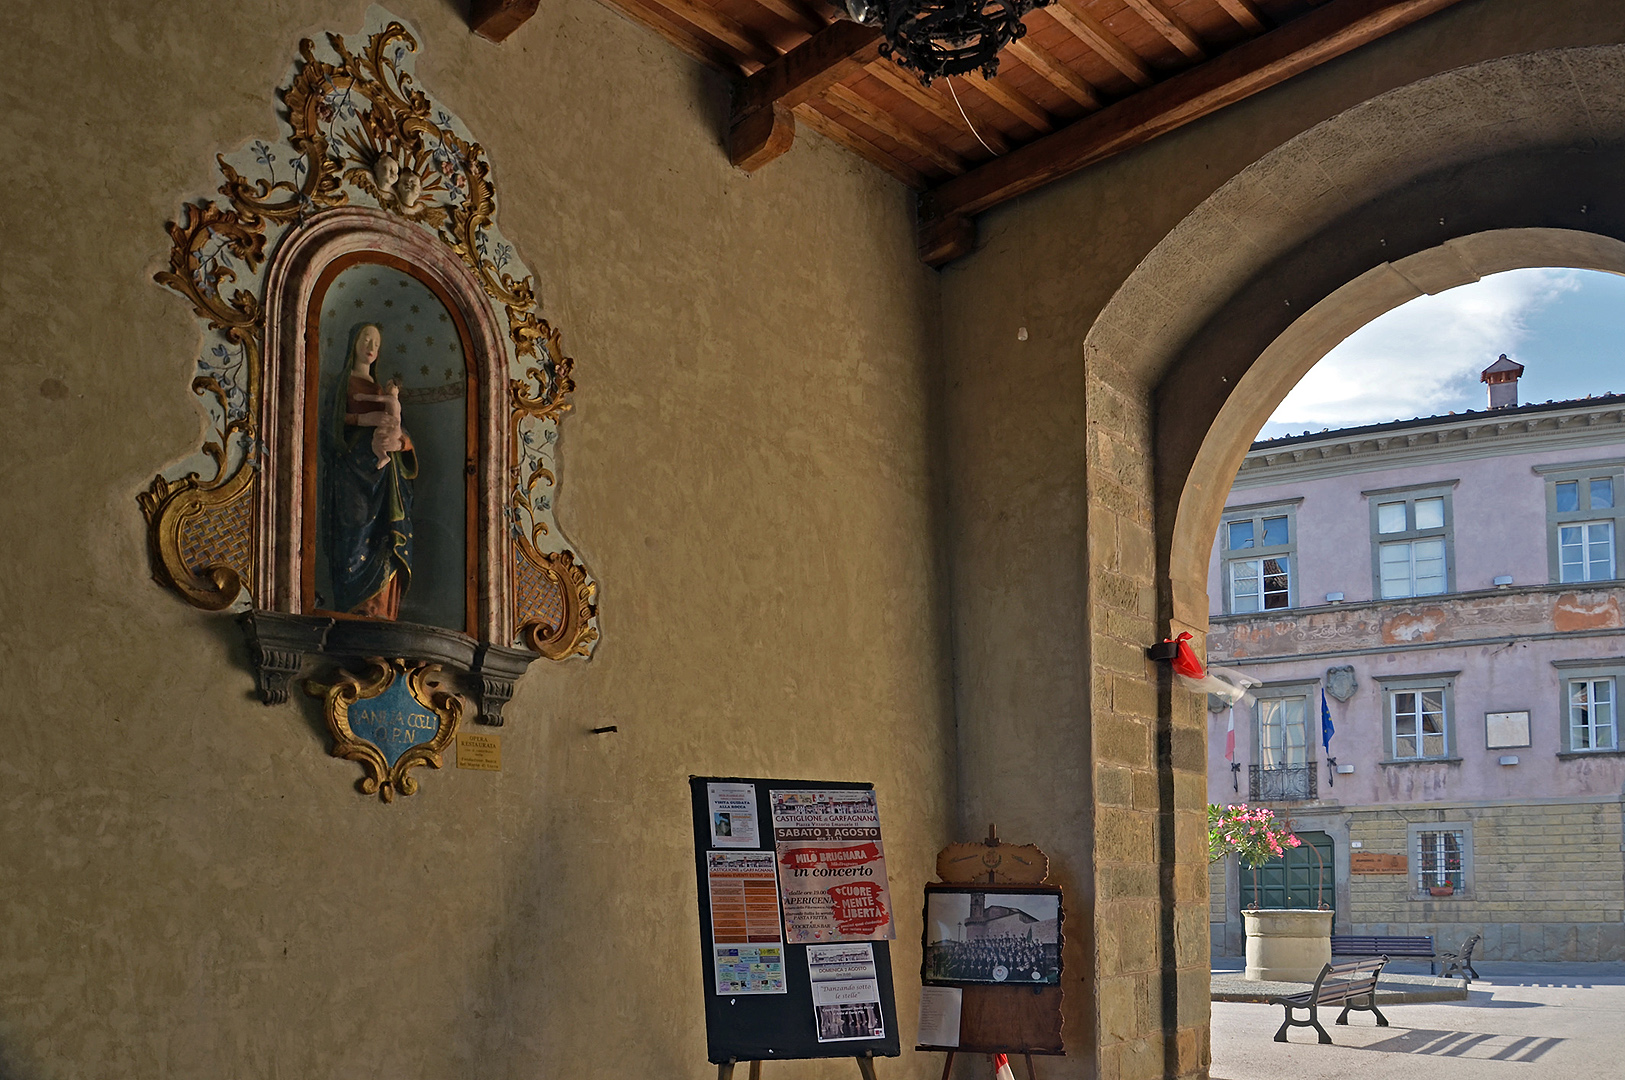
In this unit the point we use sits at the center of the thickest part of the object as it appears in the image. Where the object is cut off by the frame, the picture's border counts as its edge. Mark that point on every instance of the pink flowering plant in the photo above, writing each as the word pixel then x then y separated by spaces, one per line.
pixel 1252 832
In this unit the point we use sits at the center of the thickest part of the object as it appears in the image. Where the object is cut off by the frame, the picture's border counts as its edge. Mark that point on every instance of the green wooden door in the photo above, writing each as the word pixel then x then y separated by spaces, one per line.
pixel 1302 878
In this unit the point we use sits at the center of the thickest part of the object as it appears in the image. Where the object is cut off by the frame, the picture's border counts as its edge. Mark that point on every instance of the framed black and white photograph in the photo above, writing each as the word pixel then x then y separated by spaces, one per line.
pixel 999 935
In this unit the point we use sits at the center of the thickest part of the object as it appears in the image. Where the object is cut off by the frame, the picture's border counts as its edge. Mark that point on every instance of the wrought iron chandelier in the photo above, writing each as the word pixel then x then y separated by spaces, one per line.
pixel 943 37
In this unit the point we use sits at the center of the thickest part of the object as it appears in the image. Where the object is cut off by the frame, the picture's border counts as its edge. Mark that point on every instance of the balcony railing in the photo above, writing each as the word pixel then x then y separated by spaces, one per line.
pixel 1282 784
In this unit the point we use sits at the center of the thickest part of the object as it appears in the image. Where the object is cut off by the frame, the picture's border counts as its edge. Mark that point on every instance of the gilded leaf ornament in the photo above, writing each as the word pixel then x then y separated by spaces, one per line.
pixel 358 132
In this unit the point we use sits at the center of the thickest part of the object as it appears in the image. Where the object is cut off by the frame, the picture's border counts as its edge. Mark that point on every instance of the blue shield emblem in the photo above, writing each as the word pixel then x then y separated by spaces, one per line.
pixel 394 719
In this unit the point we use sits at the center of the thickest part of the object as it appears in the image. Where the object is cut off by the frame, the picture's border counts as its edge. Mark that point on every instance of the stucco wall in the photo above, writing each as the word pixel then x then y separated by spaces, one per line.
pixel 1501 676
pixel 1499 523
pixel 191 886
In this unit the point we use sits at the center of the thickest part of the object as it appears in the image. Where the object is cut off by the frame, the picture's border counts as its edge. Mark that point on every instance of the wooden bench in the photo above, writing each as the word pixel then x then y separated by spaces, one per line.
pixel 1420 948
pixel 1351 984
pixel 1460 962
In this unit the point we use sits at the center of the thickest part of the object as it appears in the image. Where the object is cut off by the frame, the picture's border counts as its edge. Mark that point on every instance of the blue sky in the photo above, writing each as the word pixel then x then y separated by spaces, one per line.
pixel 1567 327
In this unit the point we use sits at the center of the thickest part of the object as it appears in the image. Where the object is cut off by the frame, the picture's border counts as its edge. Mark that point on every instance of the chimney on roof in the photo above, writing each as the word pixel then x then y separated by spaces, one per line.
pixel 1502 377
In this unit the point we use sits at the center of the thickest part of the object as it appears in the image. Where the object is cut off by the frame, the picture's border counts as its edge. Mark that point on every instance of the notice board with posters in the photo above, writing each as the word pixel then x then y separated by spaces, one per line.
pixel 796 919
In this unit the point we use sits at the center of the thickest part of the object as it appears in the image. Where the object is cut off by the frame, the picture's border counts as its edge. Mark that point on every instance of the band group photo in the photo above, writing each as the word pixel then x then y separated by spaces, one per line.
pixel 992 937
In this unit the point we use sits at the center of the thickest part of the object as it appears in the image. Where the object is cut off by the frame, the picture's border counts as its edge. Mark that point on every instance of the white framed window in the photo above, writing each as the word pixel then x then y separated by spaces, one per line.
pixel 1589 709
pixel 1283 732
pixel 1420 721
pixel 1592 717
pixel 1583 517
pixel 1442 855
pixel 1411 540
pixel 1284 743
pixel 1585 551
pixel 1259 545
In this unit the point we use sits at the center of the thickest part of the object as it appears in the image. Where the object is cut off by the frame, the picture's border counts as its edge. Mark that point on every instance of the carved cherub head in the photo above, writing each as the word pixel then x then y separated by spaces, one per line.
pixel 385 171
pixel 408 189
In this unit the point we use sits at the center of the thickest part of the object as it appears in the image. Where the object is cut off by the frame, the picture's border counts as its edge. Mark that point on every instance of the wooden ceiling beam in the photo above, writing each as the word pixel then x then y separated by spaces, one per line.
pixel 867 112
pixel 743 40
pixel 761 127
pixel 802 18
pixel 937 105
pixel 494 20
pixel 1250 18
pixel 1054 72
pixel 1093 33
pixel 838 133
pixel 1324 33
pixel 1171 26
pixel 1013 101
pixel 685 37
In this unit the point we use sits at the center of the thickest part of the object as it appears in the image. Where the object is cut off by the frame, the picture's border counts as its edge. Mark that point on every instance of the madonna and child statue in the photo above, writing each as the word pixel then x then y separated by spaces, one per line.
pixel 369 465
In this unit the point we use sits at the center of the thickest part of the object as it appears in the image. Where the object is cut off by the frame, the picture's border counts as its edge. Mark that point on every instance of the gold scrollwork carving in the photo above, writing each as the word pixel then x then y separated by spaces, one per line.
pixel 358 130
pixel 559 625
pixel 201 538
pixel 384 777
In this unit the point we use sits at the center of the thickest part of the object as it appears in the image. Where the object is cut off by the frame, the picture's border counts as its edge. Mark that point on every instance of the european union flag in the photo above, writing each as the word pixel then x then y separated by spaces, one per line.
pixel 1326 729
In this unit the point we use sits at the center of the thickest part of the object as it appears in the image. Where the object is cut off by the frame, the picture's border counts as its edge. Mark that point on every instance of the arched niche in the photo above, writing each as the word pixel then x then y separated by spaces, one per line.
pixel 300 279
pixel 371 178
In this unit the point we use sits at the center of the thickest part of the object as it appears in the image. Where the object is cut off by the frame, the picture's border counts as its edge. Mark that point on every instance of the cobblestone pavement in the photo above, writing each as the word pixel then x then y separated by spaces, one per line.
pixel 1520 1022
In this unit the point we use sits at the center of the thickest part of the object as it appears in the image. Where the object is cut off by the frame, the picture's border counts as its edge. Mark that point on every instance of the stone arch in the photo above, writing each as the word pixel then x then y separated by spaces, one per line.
pixel 1287 358
pixel 1508 163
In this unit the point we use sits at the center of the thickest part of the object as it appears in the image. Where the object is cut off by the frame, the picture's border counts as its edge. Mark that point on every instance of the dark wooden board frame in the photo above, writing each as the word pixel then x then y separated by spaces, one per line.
pixel 771 1027
pixel 1004 1018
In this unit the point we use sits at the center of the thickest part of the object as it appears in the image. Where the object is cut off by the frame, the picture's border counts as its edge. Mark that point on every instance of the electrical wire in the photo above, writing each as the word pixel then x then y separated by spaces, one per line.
pixel 968 124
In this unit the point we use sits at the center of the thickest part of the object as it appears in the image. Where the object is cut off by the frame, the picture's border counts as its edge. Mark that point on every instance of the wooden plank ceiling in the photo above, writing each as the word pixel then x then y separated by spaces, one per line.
pixel 1090 79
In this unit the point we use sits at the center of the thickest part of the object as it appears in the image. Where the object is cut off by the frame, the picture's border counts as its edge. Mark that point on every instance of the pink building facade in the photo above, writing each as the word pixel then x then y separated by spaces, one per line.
pixel 1452 587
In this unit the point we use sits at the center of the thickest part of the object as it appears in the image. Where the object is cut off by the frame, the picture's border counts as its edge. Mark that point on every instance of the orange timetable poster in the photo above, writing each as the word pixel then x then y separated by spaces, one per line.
pixel 747 942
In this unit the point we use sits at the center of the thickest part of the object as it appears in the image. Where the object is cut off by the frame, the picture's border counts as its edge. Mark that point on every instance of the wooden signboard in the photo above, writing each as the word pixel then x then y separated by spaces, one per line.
pixel 1371 862
pixel 780 983
pixel 994 930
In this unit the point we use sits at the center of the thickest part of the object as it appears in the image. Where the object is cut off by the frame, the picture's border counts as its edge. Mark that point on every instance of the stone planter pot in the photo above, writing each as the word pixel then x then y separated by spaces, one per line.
pixel 1287 945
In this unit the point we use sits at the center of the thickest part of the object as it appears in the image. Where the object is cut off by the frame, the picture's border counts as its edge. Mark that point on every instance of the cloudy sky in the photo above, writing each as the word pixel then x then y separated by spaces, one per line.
pixel 1567 327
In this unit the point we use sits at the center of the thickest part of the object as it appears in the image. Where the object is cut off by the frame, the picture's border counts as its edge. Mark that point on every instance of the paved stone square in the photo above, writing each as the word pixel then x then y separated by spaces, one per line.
pixel 1529 1021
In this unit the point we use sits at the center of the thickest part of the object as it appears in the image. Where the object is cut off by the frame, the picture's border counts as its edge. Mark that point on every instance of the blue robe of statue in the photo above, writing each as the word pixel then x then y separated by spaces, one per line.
pixel 369 511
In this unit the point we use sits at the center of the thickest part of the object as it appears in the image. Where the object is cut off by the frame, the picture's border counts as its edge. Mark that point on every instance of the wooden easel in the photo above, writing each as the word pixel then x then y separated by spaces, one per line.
pixel 866 1065
pixel 1031 1075
pixel 993 862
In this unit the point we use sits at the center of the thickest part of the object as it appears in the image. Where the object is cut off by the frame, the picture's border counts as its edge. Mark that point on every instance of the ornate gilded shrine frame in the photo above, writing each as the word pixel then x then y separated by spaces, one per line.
pixel 227 526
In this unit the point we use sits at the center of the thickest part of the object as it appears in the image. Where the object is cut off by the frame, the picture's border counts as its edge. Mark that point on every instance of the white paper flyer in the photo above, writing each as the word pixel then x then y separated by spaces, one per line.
pixel 733 815
pixel 845 992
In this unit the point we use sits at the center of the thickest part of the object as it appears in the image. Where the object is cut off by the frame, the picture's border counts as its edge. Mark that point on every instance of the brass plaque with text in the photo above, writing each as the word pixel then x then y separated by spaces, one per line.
pixel 476 751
